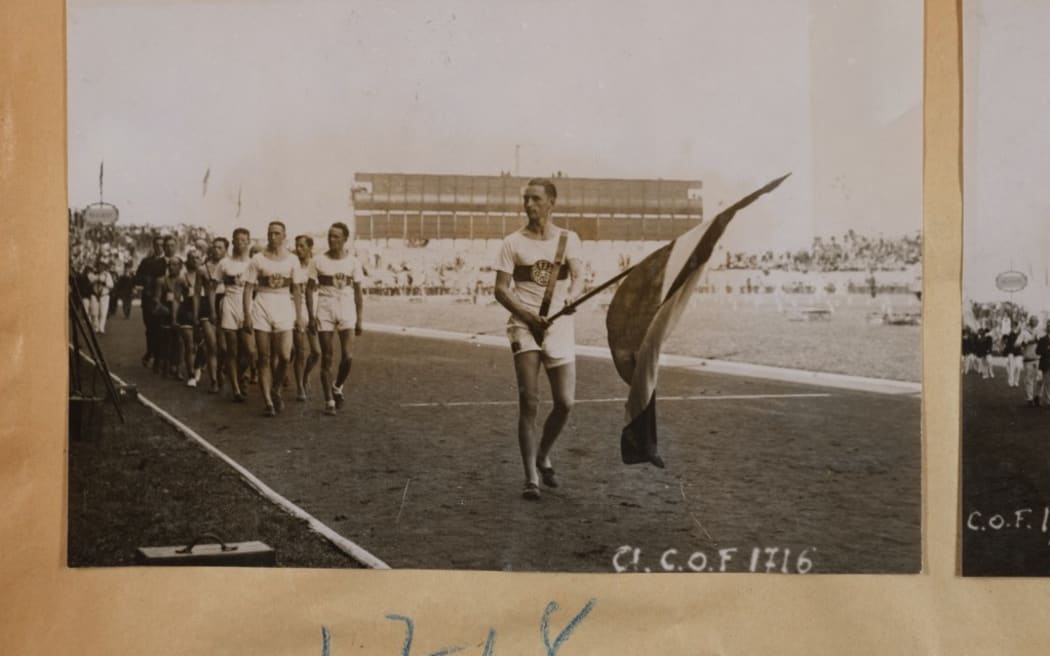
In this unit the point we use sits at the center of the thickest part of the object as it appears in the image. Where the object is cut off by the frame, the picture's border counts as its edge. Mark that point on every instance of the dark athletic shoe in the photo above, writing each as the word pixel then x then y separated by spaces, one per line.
pixel 531 492
pixel 547 474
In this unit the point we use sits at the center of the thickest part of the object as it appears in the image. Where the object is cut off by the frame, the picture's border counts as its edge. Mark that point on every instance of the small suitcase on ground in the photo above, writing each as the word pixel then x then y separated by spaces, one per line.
pixel 211 554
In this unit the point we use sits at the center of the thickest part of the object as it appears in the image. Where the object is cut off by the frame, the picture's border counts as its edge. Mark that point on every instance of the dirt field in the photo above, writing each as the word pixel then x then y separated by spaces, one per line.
pixel 752 330
pixel 827 474
pixel 142 484
pixel 1005 481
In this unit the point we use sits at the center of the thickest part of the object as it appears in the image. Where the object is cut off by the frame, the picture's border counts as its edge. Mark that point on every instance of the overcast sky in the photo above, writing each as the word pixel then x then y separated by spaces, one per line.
pixel 1007 148
pixel 289 99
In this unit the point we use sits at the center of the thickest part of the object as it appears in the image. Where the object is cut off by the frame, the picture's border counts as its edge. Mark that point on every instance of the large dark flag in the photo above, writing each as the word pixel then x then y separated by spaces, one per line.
pixel 644 311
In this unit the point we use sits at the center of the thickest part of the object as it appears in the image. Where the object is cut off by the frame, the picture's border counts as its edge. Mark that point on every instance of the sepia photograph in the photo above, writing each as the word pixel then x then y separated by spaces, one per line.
pixel 544 287
pixel 1005 366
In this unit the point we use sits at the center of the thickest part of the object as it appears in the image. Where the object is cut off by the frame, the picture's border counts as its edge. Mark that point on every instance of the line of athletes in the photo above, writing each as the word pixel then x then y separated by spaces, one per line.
pixel 539 267
pixel 244 309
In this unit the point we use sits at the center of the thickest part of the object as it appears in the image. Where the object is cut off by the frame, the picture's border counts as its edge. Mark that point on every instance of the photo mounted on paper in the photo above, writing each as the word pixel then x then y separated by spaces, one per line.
pixel 1005 365
pixel 521 288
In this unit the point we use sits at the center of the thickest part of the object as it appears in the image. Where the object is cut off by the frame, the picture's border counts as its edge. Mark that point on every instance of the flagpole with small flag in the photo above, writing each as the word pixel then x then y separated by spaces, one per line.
pixel 101 166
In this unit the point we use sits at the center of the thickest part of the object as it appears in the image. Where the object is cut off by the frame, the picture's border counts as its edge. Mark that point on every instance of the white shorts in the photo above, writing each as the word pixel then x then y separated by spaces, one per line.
pixel 335 313
pixel 232 312
pixel 273 312
pixel 559 344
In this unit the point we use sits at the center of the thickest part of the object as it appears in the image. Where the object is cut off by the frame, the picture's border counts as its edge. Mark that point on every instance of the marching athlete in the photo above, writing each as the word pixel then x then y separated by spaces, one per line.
pixel 239 346
pixel 1028 341
pixel 215 291
pixel 544 263
pixel 151 268
pixel 338 275
pixel 101 286
pixel 192 316
pixel 307 345
pixel 166 290
pixel 274 313
pixel 1012 351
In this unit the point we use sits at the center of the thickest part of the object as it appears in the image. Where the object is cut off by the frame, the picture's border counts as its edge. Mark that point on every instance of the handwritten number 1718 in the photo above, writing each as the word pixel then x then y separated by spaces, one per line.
pixel 552 647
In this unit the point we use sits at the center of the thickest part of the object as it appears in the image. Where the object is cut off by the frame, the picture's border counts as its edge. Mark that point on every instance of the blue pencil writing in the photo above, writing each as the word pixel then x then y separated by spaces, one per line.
pixel 552 650
pixel 406 648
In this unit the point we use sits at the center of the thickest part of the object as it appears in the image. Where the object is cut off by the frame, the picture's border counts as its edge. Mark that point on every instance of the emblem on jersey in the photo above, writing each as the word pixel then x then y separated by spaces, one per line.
pixel 541 272
pixel 339 280
pixel 275 280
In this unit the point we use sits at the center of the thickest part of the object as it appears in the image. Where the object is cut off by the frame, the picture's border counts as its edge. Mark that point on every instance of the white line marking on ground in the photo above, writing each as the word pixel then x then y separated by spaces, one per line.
pixel 348 547
pixel 707 397
pixel 784 374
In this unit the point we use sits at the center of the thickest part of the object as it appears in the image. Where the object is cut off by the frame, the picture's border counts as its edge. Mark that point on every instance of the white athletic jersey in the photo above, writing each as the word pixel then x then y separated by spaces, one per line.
pixel 340 275
pixel 235 269
pixel 304 273
pixel 519 250
pixel 274 275
pixel 101 282
pixel 215 275
pixel 186 283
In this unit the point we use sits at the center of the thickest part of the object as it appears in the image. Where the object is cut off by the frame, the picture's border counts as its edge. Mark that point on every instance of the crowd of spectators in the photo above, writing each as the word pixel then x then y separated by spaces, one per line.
pixel 1008 330
pixel 400 271
pixel 416 272
pixel 996 316
pixel 848 252
pixel 989 324
pixel 103 259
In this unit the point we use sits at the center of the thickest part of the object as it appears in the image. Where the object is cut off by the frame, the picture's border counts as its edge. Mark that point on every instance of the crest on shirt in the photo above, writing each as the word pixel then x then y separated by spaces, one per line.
pixel 275 280
pixel 339 280
pixel 541 272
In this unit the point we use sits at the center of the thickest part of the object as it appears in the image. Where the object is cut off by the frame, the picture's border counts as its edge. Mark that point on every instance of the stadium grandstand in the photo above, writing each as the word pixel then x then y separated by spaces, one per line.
pixel 417 207
pixel 438 234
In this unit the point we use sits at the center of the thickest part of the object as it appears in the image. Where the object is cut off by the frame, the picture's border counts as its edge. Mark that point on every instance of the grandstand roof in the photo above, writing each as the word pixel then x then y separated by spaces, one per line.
pixel 501 193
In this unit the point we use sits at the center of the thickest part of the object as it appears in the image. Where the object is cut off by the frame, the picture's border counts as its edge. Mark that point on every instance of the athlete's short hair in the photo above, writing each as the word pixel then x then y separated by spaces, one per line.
pixel 548 186
pixel 308 238
pixel 241 231
pixel 280 223
pixel 225 241
pixel 342 226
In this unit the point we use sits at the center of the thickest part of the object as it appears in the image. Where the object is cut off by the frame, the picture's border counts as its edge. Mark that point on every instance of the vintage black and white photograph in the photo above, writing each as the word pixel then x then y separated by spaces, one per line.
pixel 1005 520
pixel 565 287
